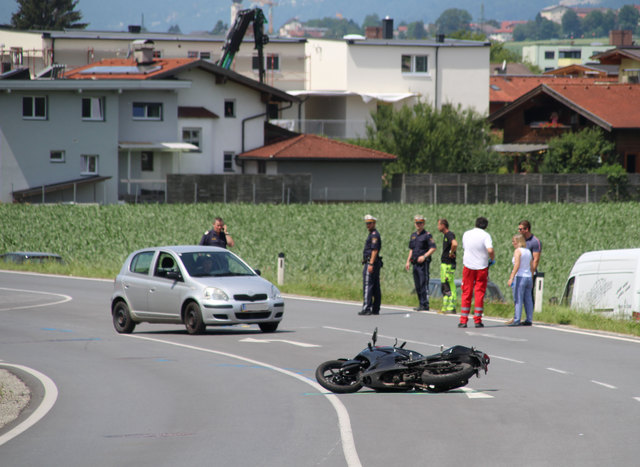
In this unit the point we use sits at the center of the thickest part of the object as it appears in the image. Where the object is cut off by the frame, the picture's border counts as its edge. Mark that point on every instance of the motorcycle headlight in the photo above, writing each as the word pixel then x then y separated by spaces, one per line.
pixel 275 293
pixel 213 293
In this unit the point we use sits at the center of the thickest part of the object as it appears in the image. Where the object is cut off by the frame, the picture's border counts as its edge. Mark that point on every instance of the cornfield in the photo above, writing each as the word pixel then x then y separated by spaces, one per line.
pixel 322 243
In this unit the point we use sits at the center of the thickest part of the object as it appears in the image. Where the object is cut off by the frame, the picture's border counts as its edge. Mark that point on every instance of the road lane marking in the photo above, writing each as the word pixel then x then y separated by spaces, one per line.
pixel 65 298
pixel 268 341
pixel 603 384
pixel 475 394
pixel 344 422
pixel 49 399
pixel 513 360
pixel 637 398
pixel 562 372
pixel 494 336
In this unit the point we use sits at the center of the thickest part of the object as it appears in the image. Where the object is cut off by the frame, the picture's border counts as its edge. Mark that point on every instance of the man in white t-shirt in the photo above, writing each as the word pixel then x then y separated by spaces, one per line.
pixel 478 256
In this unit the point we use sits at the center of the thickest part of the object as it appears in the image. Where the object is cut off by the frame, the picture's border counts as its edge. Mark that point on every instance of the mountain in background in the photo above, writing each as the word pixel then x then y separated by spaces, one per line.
pixel 202 15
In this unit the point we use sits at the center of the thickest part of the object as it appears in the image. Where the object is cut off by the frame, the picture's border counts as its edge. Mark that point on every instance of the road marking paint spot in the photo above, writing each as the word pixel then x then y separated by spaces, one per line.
pixel 268 341
pixel 637 398
pixel 494 336
pixel 562 372
pixel 475 394
pixel 603 384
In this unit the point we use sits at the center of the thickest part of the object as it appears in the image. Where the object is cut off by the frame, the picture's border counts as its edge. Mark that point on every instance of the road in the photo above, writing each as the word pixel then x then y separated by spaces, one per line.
pixel 239 397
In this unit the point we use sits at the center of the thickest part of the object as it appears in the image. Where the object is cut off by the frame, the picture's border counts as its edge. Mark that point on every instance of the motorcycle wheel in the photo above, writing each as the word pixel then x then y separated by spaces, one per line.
pixel 331 376
pixel 446 379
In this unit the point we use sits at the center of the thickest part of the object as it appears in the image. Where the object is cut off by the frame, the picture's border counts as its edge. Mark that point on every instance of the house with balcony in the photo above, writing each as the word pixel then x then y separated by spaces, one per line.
pixel 554 108
pixel 551 56
pixel 114 129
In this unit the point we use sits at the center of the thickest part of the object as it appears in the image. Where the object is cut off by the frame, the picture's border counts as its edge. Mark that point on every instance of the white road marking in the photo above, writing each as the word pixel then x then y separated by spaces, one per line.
pixel 408 341
pixel 603 384
pixel 562 372
pixel 637 398
pixel 493 336
pixel 267 341
pixel 513 360
pixel 50 397
pixel 473 394
pixel 344 422
pixel 65 298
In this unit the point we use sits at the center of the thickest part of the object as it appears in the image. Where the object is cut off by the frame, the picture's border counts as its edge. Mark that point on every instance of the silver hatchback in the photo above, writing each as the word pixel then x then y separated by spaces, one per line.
pixel 197 286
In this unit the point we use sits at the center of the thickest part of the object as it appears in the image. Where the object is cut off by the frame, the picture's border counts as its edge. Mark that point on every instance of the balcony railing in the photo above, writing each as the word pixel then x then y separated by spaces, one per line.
pixel 329 128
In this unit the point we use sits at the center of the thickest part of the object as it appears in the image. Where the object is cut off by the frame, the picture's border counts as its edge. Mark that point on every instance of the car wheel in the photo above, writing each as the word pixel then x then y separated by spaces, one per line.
pixel 193 319
pixel 122 320
pixel 268 327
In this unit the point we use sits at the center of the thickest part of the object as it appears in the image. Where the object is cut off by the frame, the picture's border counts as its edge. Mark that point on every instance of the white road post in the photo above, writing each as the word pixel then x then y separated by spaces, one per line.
pixel 280 268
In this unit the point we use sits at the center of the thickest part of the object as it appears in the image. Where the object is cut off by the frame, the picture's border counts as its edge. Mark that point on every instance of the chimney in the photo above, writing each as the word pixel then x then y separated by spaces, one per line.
pixel 373 32
pixel 440 38
pixel 135 29
pixel 143 51
pixel 620 38
pixel 387 28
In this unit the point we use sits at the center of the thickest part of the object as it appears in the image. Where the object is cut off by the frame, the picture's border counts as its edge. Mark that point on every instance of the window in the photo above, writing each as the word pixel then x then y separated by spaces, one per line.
pixel 146 161
pixel 157 53
pixel 192 54
pixel 228 162
pixel 229 108
pixel 34 107
pixel 93 108
pixel 570 54
pixel 272 62
pixel 147 111
pixel 415 64
pixel 549 55
pixel 192 135
pixel 273 111
pixel 262 167
pixel 56 156
pixel 205 55
pixel 141 263
pixel 89 165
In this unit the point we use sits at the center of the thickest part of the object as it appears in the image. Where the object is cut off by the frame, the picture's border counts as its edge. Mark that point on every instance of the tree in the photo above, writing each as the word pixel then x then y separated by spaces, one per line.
pixel 628 18
pixel 571 26
pixel 499 54
pixel 416 30
pixel 175 29
pixel 430 140
pixel 577 152
pixel 220 29
pixel 47 14
pixel 538 29
pixel 336 27
pixel 371 20
pixel 453 19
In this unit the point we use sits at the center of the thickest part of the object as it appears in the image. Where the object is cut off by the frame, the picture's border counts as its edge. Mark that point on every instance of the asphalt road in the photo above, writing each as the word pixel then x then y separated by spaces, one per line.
pixel 239 397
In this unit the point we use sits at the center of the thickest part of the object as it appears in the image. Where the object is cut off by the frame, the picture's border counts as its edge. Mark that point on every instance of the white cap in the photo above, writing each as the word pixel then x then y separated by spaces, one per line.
pixel 369 217
pixel 418 217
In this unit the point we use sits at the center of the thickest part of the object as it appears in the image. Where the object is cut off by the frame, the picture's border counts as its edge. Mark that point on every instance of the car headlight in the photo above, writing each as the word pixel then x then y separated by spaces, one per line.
pixel 213 293
pixel 275 293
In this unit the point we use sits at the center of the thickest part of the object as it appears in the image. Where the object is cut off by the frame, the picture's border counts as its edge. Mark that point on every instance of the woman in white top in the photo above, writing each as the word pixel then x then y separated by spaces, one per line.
pixel 521 281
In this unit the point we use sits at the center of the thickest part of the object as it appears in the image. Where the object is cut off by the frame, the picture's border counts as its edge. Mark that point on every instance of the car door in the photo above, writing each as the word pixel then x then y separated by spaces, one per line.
pixel 137 280
pixel 166 290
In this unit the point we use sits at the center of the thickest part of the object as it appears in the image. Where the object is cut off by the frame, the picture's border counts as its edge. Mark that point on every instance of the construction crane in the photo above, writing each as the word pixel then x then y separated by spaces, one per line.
pixel 236 35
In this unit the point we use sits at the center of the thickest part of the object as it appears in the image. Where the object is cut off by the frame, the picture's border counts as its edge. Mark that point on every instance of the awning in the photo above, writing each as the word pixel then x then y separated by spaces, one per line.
pixel 165 147
pixel 366 96
pixel 19 195
pixel 519 148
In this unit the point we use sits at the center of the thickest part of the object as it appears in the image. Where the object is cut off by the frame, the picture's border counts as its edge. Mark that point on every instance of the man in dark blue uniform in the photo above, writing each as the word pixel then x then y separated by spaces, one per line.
pixel 372 262
pixel 421 247
pixel 218 235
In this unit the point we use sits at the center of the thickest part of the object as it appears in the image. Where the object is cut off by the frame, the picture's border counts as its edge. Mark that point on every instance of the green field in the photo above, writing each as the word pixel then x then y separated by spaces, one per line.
pixel 322 243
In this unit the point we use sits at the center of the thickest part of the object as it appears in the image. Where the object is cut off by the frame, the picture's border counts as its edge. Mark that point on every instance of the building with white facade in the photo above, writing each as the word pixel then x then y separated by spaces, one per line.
pixel 551 56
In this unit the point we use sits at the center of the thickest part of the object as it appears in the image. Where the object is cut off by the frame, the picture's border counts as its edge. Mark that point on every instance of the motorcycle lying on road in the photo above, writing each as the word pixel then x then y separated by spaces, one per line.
pixel 393 368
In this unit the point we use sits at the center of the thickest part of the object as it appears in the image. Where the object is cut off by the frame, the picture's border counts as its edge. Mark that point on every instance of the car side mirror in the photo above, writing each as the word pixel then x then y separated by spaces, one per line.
pixel 174 275
pixel 258 272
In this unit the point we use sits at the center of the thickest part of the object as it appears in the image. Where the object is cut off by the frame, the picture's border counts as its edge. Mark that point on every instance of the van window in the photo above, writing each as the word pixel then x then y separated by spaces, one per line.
pixel 568 293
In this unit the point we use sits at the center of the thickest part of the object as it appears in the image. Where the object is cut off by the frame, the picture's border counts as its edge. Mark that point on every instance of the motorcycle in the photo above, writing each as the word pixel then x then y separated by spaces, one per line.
pixel 393 368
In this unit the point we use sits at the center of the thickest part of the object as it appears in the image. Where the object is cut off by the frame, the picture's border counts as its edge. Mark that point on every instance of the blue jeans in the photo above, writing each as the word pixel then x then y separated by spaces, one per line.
pixel 522 295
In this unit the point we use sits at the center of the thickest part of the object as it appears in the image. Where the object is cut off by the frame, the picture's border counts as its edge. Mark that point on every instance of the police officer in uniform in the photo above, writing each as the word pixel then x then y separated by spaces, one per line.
pixel 372 262
pixel 218 235
pixel 421 247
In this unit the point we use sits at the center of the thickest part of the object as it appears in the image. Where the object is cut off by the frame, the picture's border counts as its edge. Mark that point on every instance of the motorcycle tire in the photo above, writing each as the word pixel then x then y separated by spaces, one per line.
pixel 331 377
pixel 458 376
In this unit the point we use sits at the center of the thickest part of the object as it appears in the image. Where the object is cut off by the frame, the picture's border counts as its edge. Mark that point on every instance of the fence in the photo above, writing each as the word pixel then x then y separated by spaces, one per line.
pixel 513 188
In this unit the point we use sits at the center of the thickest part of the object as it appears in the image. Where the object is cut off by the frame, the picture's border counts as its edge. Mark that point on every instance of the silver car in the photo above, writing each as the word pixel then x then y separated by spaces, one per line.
pixel 197 286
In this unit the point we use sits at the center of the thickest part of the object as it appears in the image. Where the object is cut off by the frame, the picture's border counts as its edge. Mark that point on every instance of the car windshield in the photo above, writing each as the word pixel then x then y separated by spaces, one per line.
pixel 214 264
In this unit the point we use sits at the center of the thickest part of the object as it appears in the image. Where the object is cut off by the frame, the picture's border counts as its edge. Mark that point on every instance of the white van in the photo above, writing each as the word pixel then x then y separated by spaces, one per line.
pixel 606 281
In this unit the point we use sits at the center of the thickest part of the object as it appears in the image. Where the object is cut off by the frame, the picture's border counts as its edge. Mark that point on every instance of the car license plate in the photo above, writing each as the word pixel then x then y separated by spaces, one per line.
pixel 254 307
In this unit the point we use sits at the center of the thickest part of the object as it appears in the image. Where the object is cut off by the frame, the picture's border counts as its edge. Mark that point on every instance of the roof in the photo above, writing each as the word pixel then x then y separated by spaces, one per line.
pixel 614 56
pixel 166 68
pixel 611 106
pixel 19 195
pixel 315 148
pixel 592 70
pixel 195 112
pixel 509 88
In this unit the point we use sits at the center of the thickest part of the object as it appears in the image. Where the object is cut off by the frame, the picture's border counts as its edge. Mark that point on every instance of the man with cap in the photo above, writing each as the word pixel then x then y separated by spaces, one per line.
pixel 372 262
pixel 421 247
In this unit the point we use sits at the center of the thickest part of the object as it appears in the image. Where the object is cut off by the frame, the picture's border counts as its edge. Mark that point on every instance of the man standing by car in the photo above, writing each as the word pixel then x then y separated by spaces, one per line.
pixel 478 256
pixel 371 271
pixel 448 267
pixel 421 247
pixel 218 235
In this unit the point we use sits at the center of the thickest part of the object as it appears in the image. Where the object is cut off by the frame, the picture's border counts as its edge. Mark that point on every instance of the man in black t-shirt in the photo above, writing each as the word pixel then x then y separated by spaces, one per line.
pixel 448 267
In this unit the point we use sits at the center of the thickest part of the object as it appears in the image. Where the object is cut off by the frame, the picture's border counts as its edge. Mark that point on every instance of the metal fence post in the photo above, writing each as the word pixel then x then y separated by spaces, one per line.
pixel 195 193
pixel 465 193
pixel 557 193
pixel 496 193
pixel 435 193
pixel 526 194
